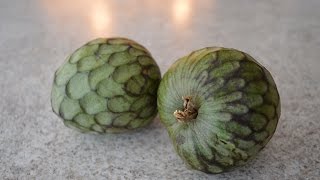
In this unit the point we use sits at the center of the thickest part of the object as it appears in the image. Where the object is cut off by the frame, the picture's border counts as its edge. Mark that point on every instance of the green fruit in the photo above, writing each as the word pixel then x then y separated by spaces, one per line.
pixel 107 86
pixel 229 109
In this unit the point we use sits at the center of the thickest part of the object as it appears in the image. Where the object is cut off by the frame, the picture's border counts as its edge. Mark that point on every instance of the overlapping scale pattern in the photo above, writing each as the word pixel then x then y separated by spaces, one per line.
pixel 107 85
pixel 238 108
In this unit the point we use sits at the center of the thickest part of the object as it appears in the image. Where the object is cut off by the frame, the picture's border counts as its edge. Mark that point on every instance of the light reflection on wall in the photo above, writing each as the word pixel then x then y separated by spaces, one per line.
pixel 86 15
pixel 182 10
pixel 100 18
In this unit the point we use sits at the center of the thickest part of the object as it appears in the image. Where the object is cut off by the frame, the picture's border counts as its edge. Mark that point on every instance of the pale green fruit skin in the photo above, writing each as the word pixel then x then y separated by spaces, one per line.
pixel 108 85
pixel 238 108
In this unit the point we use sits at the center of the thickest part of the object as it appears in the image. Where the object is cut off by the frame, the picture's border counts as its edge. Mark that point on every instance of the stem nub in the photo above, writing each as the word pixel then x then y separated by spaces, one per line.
pixel 189 112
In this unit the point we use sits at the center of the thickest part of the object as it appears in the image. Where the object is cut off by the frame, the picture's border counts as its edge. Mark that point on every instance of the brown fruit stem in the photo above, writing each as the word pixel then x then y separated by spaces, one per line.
pixel 189 112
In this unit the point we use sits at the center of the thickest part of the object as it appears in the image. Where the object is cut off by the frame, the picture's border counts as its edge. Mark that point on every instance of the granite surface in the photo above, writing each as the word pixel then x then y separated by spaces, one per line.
pixel 36 36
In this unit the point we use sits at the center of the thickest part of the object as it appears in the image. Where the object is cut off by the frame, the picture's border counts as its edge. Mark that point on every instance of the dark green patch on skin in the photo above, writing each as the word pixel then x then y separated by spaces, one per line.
pixel 107 86
pixel 135 84
pixel 123 73
pixel 237 102
pixel 180 139
pixel 92 103
pixel 78 86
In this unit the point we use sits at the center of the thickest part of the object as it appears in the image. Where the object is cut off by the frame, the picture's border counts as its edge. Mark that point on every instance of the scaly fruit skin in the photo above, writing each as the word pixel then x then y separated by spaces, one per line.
pixel 233 103
pixel 107 86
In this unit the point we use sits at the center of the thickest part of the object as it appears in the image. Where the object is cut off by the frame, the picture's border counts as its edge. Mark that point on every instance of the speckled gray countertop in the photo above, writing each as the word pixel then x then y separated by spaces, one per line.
pixel 36 36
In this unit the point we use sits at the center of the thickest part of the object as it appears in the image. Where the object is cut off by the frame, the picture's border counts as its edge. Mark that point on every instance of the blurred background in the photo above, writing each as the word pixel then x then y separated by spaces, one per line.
pixel 37 35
